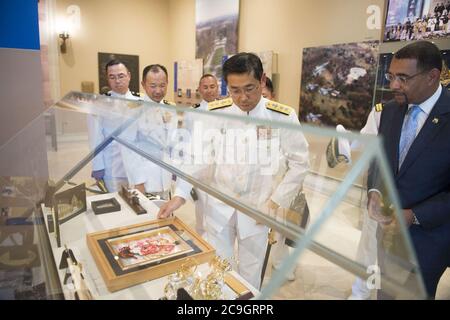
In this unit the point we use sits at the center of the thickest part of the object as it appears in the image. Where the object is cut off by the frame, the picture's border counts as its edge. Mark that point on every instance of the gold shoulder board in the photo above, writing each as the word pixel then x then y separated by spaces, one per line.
pixel 169 102
pixel 219 104
pixel 379 107
pixel 278 107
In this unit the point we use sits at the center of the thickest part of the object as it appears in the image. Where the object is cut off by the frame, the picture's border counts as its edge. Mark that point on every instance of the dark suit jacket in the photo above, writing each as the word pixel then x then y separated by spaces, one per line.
pixel 423 182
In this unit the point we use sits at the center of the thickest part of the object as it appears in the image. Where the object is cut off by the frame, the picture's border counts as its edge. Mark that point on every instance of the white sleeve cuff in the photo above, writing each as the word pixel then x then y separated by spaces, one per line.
pixel 183 189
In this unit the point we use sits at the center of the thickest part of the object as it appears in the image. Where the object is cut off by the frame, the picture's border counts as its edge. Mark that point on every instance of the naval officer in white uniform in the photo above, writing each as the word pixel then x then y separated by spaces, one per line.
pixel 266 186
pixel 151 133
pixel 367 246
pixel 209 91
pixel 108 164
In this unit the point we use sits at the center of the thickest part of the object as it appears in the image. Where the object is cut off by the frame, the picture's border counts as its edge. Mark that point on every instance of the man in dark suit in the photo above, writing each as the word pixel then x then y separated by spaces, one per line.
pixel 415 128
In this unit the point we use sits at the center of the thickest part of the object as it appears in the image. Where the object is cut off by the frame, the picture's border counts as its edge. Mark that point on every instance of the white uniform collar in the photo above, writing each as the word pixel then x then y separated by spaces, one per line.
pixel 428 104
pixel 147 98
pixel 127 95
pixel 255 111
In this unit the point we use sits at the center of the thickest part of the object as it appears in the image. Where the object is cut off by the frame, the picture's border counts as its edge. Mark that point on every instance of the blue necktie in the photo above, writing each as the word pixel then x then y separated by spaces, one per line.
pixel 408 132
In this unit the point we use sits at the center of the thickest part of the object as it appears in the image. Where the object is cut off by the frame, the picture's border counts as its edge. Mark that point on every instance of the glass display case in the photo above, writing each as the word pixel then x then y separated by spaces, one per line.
pixel 269 209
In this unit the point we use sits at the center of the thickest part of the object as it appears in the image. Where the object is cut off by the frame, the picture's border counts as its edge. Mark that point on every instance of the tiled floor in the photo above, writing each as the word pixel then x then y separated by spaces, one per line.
pixel 316 278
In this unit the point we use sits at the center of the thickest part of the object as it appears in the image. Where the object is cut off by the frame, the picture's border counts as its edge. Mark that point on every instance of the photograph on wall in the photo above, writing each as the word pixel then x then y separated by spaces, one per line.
pixel 268 59
pixel 70 203
pixel 417 19
pixel 216 33
pixel 383 96
pixel 132 63
pixel 337 84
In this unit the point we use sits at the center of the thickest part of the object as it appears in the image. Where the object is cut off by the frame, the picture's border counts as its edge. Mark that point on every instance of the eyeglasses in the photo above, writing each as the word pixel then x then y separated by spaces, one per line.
pixel 247 90
pixel 402 79
pixel 120 76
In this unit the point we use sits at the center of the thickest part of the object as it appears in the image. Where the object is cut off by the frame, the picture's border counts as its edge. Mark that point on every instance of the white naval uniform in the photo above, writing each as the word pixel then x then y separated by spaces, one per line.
pixel 371 127
pixel 151 134
pixel 367 248
pixel 253 184
pixel 110 159
pixel 200 203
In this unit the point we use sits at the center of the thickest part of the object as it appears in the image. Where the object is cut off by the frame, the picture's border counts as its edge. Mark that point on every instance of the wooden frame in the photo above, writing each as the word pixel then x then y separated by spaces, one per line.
pixel 71 199
pixel 70 203
pixel 122 268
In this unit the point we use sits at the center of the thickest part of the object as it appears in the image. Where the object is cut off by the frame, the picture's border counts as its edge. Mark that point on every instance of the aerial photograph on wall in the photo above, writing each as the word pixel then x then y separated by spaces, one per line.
pixel 337 84
pixel 216 33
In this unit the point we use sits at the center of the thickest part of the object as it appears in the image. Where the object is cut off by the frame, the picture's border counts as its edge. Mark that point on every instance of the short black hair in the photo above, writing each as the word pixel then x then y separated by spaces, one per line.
pixel 154 68
pixel 206 75
pixel 243 62
pixel 269 84
pixel 426 53
pixel 114 62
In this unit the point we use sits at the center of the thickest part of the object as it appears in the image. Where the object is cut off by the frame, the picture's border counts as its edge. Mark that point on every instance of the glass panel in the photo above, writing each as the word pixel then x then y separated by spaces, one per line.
pixel 26 270
pixel 214 152
pixel 248 176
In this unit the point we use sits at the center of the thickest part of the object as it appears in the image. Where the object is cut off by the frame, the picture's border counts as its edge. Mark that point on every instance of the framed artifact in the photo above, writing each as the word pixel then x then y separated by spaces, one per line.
pixel 132 199
pixel 130 255
pixel 241 291
pixel 105 206
pixel 66 205
pixel 70 203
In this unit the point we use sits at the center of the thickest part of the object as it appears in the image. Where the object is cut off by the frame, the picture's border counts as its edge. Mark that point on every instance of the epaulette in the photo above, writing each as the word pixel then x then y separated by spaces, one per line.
pixel 278 107
pixel 379 107
pixel 169 102
pixel 195 106
pixel 136 94
pixel 219 104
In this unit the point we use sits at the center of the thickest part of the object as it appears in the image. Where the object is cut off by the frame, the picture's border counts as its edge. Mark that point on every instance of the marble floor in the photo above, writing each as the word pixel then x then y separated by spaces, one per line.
pixel 316 278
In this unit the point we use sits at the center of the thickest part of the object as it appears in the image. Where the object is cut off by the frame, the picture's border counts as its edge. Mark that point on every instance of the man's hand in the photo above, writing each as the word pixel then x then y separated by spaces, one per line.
pixel 98 174
pixel 374 208
pixel 409 217
pixel 170 206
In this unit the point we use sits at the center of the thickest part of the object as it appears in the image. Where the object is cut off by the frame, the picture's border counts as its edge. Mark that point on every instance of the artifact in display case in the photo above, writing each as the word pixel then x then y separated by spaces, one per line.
pixel 105 206
pixel 70 203
pixel 130 255
pixel 66 205
pixel 132 199
pixel 74 275
pixel 218 284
